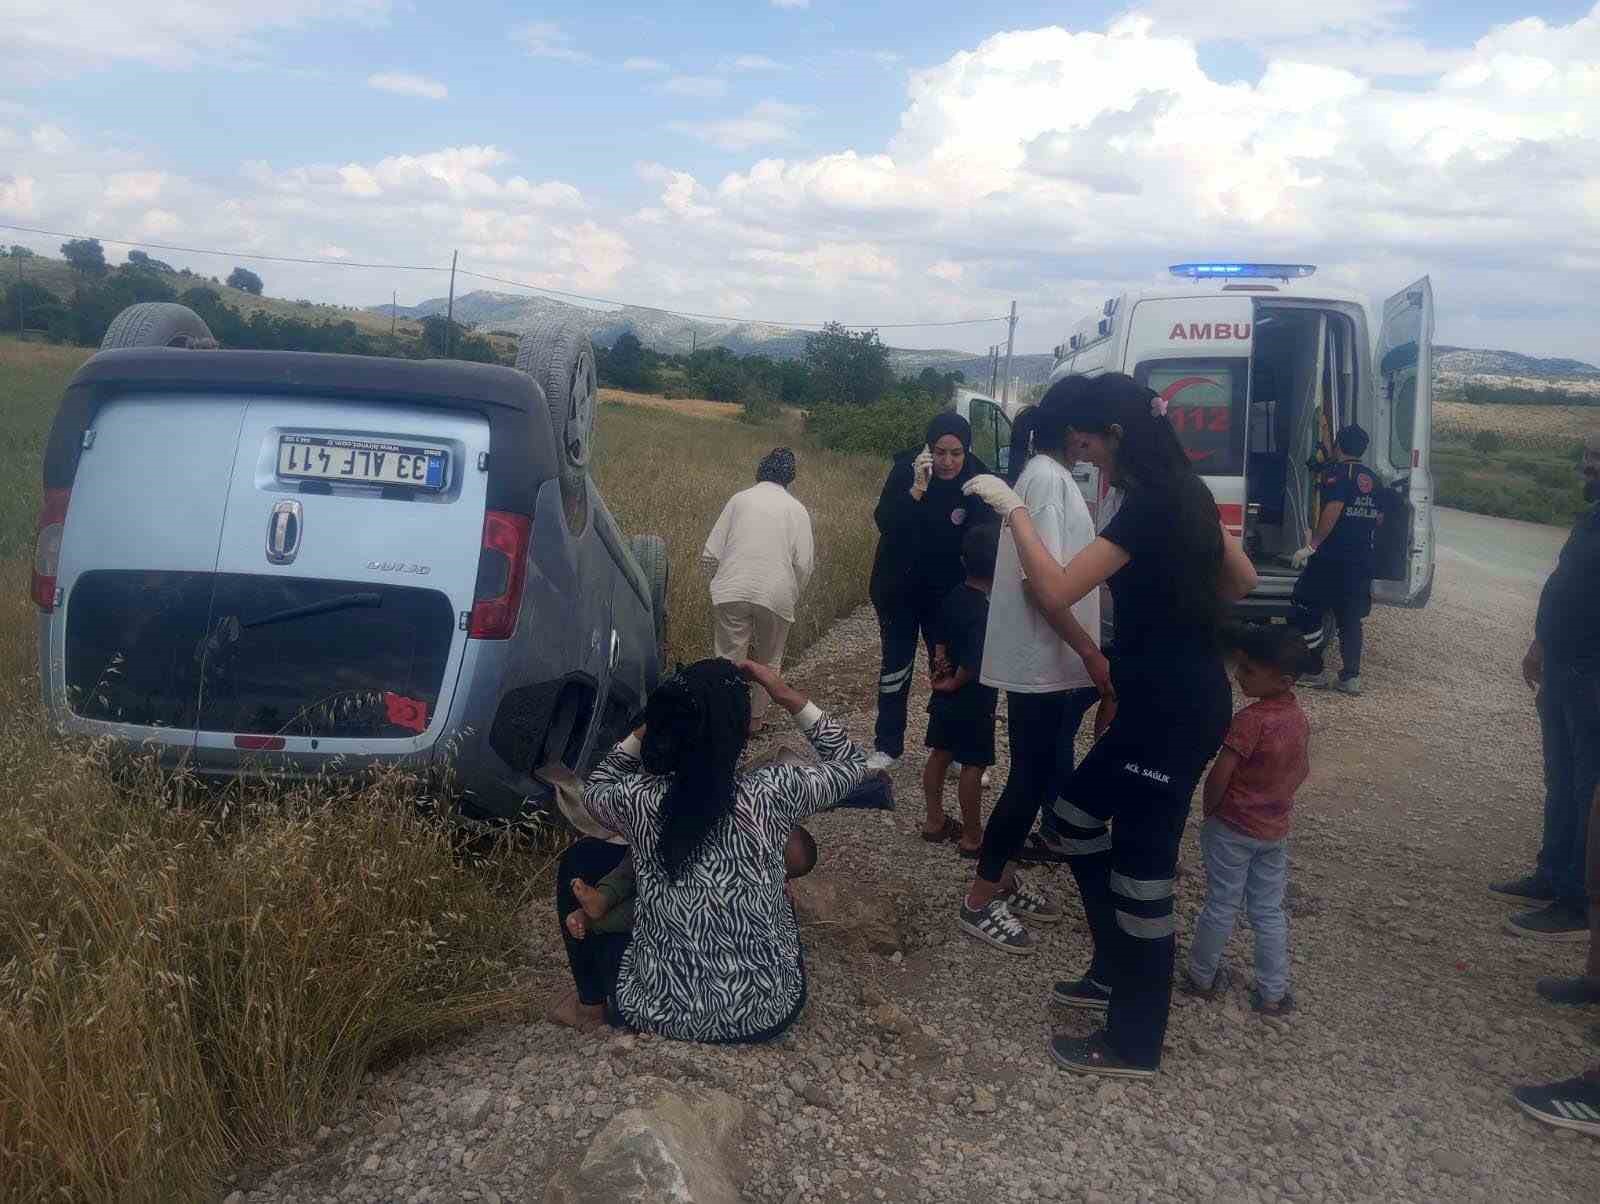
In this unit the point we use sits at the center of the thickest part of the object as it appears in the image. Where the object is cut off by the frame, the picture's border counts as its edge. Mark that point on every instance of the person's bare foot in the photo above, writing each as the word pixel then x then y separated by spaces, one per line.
pixel 592 901
pixel 578 925
pixel 570 1012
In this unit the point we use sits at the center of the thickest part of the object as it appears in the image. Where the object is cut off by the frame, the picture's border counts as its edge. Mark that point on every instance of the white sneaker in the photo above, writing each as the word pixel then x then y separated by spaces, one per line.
pixel 881 763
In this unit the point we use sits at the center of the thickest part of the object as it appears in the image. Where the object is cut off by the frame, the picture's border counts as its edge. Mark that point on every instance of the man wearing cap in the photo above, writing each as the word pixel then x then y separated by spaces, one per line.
pixel 1563 666
pixel 760 556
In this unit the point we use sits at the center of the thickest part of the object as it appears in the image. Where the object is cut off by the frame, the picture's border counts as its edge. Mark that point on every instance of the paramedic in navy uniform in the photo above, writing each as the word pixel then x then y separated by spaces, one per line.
pixel 1337 563
pixel 1172 570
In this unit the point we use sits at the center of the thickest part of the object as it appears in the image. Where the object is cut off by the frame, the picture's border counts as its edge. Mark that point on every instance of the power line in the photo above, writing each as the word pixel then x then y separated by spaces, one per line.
pixel 537 288
pixel 163 246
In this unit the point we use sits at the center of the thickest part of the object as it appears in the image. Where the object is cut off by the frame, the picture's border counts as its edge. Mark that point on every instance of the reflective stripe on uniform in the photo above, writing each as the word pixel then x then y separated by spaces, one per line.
pixel 1067 813
pixel 1082 848
pixel 1147 929
pixel 893 683
pixel 1144 889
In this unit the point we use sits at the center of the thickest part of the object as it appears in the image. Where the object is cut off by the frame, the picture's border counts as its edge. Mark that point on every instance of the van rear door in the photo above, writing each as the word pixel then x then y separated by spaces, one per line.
pixel 345 580
pixel 138 551
pixel 1402 442
pixel 1195 353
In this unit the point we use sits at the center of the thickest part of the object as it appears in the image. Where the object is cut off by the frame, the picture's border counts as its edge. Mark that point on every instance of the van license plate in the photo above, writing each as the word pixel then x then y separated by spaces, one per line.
pixel 362 462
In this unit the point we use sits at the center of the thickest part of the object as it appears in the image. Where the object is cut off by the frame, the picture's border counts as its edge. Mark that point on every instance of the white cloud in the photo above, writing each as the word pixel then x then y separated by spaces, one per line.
pixel 51 139
pixel 706 87
pixel 791 3
pixel 547 40
pixel 643 64
pixel 56 35
pixel 832 263
pixel 333 251
pixel 1272 20
pixel 946 270
pixel 19 196
pixel 408 85
pixel 754 62
pixel 763 124
pixel 134 188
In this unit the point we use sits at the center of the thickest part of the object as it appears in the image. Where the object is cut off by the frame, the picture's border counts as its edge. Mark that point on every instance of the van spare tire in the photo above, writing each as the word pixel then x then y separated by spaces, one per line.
pixel 560 357
pixel 157 324
pixel 651 553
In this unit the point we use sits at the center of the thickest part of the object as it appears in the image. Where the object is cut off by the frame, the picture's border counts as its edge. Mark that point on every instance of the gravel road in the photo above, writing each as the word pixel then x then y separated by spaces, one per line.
pixel 922 1076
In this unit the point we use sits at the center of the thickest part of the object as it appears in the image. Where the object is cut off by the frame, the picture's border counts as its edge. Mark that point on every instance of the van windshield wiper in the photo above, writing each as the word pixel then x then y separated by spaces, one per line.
pixel 312 609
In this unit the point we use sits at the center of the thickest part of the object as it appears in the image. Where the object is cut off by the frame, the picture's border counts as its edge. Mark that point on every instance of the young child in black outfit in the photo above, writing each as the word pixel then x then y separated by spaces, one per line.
pixel 961 713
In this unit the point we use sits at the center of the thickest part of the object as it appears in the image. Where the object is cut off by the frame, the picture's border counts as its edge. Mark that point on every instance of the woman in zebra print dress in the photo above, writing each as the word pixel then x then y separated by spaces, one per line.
pixel 715 950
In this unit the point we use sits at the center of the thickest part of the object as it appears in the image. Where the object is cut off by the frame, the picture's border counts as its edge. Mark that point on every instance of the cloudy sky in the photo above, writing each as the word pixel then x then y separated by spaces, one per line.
pixel 803 160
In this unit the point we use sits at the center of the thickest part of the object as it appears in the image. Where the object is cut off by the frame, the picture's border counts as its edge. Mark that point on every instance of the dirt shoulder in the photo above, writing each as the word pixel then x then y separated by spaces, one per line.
pixel 923 1077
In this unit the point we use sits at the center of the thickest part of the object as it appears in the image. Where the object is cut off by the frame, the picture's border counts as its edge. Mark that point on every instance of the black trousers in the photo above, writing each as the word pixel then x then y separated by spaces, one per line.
pixel 901 620
pixel 1122 817
pixel 597 959
pixel 1569 716
pixel 1040 724
pixel 1330 588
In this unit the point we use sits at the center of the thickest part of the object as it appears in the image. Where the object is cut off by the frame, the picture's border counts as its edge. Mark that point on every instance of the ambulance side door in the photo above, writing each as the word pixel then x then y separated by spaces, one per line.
pixel 1402 444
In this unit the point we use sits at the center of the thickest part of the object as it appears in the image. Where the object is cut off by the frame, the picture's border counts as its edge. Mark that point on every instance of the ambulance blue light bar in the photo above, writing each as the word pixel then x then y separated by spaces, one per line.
pixel 1243 271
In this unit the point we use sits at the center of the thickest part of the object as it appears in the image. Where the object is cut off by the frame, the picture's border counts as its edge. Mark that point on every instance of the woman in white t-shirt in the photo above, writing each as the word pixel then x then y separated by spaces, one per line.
pixel 1050 684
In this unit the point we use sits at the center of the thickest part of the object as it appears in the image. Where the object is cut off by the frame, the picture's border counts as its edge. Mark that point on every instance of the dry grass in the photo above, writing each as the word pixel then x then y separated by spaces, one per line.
pixel 688 407
pixel 1553 428
pixel 669 475
pixel 188 982
pixel 184 986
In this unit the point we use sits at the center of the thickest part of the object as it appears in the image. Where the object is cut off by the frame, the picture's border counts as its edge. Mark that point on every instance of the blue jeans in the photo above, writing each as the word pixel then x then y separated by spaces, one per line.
pixel 1240 868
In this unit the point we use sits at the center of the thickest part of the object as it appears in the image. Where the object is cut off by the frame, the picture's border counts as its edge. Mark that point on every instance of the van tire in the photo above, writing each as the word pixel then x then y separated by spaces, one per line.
pixel 559 356
pixel 157 324
pixel 651 553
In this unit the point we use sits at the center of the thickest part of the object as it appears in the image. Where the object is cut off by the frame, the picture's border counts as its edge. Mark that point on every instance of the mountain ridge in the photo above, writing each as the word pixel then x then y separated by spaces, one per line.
pixel 513 313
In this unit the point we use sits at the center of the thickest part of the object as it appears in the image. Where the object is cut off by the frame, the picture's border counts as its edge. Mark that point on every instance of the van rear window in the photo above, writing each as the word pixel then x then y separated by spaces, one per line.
pixel 257 655
pixel 1205 404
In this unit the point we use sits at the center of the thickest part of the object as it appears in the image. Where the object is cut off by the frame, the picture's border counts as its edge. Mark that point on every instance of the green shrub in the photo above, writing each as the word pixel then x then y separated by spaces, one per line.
pixel 1488 441
pixel 895 424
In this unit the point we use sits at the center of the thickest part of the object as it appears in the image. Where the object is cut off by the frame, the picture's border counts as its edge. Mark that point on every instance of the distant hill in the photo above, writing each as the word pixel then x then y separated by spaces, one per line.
pixel 1464 361
pixel 671 335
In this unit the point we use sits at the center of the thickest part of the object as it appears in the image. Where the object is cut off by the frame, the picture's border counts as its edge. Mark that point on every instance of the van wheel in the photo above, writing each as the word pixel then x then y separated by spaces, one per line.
pixel 560 357
pixel 157 324
pixel 651 553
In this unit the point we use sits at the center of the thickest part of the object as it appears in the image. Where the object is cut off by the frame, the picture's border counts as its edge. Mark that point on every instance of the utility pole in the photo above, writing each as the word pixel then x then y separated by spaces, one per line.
pixel 1011 334
pixel 394 316
pixel 21 330
pixel 694 341
pixel 450 309
pixel 994 367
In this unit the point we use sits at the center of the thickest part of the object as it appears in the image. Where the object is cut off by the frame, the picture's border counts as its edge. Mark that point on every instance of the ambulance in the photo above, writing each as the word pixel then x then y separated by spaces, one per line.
pixel 1261 370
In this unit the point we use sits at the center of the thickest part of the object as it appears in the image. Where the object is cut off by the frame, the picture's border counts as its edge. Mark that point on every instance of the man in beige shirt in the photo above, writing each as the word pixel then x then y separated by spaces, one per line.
pixel 760 556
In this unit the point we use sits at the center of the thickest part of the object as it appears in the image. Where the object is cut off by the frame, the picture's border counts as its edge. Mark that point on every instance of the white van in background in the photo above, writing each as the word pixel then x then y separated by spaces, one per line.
pixel 1261 371
pixel 991 427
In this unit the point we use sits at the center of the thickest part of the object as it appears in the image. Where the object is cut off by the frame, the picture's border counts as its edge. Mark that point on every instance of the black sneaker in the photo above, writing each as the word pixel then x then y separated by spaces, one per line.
pixel 1561 921
pixel 994 925
pixel 1220 982
pixel 1574 1104
pixel 1091 1055
pixel 1529 888
pixel 1569 992
pixel 1085 994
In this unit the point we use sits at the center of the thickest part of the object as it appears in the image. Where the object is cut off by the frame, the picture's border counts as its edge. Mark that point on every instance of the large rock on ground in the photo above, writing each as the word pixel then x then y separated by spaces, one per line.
pixel 839 910
pixel 678 1149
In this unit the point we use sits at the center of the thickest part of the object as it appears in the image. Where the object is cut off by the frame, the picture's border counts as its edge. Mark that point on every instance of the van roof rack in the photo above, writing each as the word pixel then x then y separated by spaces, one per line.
pixel 1243 271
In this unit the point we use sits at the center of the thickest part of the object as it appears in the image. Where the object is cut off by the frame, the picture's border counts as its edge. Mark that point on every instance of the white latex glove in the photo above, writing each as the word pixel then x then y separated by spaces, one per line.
pixel 1304 554
pixel 922 470
pixel 994 493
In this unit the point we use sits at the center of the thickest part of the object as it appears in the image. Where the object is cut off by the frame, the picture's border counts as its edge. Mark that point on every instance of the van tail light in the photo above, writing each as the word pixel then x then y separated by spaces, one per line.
pixel 47 547
pixel 502 572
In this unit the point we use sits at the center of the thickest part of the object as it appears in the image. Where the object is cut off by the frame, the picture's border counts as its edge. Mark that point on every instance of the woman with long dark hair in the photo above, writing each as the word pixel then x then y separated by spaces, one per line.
pixel 1050 684
pixel 1172 571
pixel 715 951
pixel 921 516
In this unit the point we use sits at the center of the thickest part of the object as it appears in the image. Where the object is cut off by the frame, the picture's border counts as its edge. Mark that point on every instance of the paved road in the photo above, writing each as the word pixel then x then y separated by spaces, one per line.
pixel 1518 554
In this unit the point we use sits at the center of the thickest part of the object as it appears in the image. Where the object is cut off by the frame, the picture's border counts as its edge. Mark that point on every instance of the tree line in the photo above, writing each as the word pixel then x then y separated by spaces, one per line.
pixel 843 380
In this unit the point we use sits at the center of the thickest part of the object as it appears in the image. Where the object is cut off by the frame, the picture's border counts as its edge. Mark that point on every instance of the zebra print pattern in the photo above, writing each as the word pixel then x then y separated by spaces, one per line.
pixel 715 956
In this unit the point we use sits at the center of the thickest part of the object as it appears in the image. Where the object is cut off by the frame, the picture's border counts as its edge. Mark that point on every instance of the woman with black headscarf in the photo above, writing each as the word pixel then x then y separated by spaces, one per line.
pixel 714 954
pixel 921 516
